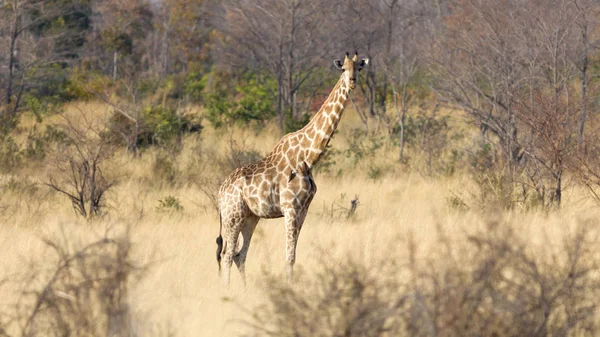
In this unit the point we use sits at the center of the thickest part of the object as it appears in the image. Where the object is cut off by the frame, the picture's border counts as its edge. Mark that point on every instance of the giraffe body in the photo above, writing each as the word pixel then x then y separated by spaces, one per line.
pixel 281 184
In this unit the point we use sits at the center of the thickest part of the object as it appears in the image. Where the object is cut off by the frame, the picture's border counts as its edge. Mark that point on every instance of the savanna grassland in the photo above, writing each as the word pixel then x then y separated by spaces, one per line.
pixel 460 195
pixel 420 256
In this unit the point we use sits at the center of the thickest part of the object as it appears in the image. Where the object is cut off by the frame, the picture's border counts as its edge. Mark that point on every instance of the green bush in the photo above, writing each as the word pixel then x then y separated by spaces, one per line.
pixel 292 124
pixel 169 204
pixel 158 125
pixel 165 169
pixel 194 86
pixel 10 155
pixel 218 105
pixel 41 106
pixel 362 146
pixel 327 162
pixel 430 137
pixel 37 143
pixel 250 102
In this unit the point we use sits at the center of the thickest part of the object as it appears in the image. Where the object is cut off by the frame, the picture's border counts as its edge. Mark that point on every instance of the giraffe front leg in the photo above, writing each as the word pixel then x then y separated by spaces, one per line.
pixel 293 224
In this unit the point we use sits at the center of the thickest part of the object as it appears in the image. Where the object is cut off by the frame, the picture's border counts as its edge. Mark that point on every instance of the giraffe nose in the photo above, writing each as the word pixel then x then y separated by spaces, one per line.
pixel 352 79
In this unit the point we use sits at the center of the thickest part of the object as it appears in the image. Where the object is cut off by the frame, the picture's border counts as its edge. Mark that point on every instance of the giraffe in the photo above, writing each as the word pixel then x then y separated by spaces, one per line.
pixel 281 184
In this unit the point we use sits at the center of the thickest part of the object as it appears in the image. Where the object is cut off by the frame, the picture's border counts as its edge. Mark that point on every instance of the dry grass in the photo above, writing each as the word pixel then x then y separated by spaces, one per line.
pixel 402 218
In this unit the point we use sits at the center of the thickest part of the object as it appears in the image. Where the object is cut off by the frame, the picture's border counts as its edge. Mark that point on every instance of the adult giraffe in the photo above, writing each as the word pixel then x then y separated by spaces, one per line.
pixel 281 184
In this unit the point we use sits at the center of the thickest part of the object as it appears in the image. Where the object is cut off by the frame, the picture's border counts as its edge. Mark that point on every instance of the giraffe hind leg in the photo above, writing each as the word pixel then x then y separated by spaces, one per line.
pixel 231 233
pixel 247 231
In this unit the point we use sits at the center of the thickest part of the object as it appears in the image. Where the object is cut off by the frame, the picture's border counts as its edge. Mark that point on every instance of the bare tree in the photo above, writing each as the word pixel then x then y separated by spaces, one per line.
pixel 75 292
pixel 77 165
pixel 289 39
pixel 181 35
pixel 508 66
pixel 587 14
pixel 481 63
pixel 120 29
pixel 31 46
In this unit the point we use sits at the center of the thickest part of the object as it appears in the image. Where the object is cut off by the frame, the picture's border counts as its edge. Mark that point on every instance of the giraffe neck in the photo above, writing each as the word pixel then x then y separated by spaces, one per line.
pixel 321 127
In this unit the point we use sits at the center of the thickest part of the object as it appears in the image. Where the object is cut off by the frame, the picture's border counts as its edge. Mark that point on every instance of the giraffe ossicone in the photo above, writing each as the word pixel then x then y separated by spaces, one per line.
pixel 281 184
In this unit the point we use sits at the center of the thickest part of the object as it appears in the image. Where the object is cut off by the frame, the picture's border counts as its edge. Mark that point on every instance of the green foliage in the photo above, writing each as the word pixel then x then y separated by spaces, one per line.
pixel 164 169
pixel 10 154
pixel 41 106
pixel 52 81
pixel 35 148
pixel 417 128
pixel 362 146
pixel 115 40
pixel 194 86
pixel 169 204
pixel 456 203
pixel 163 124
pixel 327 162
pixel 83 83
pixel 158 125
pixel 250 103
pixel 483 159
pixel 292 124
pixel 37 143
pixel 431 137
pixel 218 105
pixel 375 172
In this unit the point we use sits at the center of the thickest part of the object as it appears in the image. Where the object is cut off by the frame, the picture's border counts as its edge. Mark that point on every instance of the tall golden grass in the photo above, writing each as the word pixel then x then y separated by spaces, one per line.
pixel 402 217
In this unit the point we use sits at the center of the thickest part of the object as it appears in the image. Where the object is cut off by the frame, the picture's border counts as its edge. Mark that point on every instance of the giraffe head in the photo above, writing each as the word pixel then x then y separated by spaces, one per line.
pixel 351 67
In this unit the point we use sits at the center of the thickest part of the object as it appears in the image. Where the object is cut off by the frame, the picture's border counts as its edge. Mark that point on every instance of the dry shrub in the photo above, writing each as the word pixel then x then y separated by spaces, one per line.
pixel 84 293
pixel 502 288
pixel 77 165
pixel 22 196
pixel 493 284
pixel 345 299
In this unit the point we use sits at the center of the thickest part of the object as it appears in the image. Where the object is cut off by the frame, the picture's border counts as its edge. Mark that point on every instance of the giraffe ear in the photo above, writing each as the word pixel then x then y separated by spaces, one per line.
pixel 338 64
pixel 363 63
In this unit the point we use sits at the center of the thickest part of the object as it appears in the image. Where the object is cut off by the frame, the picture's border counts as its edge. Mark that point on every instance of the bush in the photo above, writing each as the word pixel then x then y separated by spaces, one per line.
pixel 362 146
pixel 346 299
pixel 37 144
pixel 194 86
pixel 430 136
pixel 85 293
pixel 164 168
pixel 327 162
pixel 490 283
pixel 169 204
pixel 158 125
pixel 10 155
pixel 292 124
pixel 250 102
pixel 499 187
pixel 76 166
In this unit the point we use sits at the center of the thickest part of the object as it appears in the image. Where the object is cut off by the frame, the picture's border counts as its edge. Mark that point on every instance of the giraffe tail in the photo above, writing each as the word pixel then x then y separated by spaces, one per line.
pixel 219 242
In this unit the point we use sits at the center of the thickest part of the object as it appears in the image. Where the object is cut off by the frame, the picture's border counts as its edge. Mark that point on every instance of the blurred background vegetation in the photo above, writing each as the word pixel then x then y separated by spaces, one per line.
pixel 522 76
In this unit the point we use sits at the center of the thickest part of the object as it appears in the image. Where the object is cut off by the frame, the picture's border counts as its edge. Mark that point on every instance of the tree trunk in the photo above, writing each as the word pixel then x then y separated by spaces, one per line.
pixel 115 64
pixel 558 189
pixel 11 61
pixel 280 111
pixel 584 87
pixel 290 73
pixel 388 48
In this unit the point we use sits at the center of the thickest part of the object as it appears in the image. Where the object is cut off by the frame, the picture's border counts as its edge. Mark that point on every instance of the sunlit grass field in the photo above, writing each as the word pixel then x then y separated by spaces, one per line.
pixel 403 217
